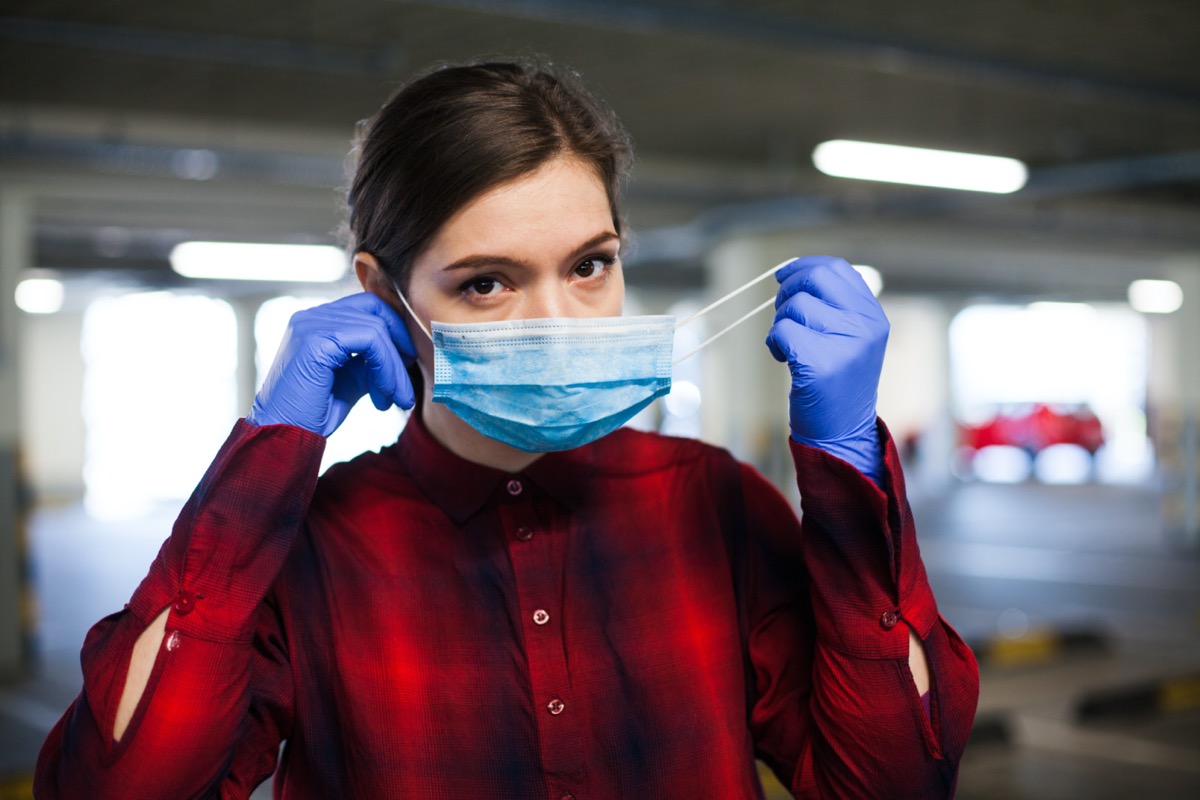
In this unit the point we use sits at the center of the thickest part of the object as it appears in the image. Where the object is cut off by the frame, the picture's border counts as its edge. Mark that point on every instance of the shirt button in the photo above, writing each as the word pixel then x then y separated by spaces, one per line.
pixel 514 487
pixel 567 796
pixel 889 619
pixel 555 706
pixel 173 641
pixel 541 617
pixel 184 603
pixel 524 534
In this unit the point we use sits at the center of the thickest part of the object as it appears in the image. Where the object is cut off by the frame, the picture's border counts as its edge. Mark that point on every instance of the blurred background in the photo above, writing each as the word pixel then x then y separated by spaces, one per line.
pixel 1043 376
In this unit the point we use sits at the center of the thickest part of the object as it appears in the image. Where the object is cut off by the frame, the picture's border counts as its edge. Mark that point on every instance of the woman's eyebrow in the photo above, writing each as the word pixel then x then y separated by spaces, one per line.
pixel 483 261
pixel 595 241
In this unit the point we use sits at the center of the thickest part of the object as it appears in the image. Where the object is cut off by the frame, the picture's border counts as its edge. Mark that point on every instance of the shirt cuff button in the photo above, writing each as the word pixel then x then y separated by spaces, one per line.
pixel 184 603
pixel 889 620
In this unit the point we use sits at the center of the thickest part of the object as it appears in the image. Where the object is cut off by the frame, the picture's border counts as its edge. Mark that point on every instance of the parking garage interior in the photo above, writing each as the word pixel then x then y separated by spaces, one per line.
pixel 1042 378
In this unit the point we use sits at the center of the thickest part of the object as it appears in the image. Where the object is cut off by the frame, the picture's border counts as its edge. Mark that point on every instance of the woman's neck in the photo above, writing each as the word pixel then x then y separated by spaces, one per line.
pixel 465 442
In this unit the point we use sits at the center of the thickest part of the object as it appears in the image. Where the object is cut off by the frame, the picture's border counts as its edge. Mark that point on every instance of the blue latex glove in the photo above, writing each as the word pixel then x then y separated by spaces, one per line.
pixel 832 333
pixel 330 357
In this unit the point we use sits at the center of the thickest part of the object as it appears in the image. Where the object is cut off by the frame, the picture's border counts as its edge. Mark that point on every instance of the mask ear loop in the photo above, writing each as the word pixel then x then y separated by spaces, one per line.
pixel 735 293
pixel 412 313
pixel 722 332
pixel 740 319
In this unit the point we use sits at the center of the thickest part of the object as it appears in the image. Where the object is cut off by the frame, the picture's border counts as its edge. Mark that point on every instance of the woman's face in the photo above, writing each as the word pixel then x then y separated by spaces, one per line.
pixel 543 245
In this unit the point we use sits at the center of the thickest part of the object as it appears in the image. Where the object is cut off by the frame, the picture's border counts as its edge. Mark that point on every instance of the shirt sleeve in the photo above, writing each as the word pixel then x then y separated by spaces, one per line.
pixel 218 694
pixel 831 600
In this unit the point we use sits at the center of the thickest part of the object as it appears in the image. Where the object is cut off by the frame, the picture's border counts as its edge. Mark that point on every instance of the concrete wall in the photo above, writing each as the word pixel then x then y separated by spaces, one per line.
pixel 51 395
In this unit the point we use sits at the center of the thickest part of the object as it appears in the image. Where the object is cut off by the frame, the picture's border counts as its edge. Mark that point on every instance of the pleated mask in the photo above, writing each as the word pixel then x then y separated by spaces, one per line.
pixel 544 385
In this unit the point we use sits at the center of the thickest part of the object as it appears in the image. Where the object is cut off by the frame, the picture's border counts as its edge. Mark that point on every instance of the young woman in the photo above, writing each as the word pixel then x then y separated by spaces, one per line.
pixel 516 600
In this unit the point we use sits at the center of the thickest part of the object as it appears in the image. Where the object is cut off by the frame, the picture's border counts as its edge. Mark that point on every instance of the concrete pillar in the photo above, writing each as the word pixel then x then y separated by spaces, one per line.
pixel 1178 406
pixel 51 402
pixel 745 390
pixel 16 253
pixel 245 309
pixel 914 389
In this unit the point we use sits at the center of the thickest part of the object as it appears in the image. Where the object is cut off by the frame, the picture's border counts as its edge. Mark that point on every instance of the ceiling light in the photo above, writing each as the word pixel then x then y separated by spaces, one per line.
pixel 39 295
pixel 872 277
pixel 893 163
pixel 1155 297
pixel 259 262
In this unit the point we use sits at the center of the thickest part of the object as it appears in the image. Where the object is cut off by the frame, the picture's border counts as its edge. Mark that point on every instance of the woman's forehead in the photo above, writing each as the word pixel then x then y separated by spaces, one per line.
pixel 542 215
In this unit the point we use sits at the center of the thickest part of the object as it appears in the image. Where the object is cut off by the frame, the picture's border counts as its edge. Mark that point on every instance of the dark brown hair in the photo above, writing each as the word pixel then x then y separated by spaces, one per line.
pixel 455 132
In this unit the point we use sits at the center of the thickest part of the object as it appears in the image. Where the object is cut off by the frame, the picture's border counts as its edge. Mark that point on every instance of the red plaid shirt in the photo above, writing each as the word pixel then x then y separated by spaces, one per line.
pixel 637 618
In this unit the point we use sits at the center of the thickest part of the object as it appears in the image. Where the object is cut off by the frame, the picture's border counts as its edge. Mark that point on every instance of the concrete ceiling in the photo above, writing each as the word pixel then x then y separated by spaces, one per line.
pixel 138 123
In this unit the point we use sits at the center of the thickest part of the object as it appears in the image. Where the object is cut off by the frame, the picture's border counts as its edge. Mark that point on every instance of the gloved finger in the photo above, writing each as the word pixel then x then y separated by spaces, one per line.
pixel 815 314
pixel 386 376
pixel 373 304
pixel 843 291
pixel 362 323
pixel 834 281
pixel 354 380
pixel 804 264
pixel 792 342
pixel 350 381
pixel 388 379
pixel 337 338
pixel 378 399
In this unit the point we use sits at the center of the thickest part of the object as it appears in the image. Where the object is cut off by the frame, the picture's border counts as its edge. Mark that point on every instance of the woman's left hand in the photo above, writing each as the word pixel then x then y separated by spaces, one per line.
pixel 832 333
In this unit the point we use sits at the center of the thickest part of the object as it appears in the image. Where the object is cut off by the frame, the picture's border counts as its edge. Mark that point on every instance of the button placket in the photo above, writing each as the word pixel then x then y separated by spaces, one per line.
pixel 538 563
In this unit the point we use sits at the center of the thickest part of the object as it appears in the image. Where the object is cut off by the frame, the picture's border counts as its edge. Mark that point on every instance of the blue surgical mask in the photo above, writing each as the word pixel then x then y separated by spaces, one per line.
pixel 543 385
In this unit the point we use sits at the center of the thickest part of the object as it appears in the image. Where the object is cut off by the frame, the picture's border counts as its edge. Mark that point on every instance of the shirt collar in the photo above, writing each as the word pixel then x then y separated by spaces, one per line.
pixel 461 487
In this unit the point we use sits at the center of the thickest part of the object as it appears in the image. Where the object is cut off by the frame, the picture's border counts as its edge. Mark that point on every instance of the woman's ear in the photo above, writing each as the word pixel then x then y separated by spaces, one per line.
pixel 371 276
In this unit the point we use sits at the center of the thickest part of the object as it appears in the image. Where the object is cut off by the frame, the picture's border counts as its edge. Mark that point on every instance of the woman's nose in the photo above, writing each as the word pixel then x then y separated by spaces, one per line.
pixel 547 302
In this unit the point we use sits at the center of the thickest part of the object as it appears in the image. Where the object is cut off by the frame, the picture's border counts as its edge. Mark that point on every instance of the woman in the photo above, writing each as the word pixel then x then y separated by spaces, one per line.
pixel 464 615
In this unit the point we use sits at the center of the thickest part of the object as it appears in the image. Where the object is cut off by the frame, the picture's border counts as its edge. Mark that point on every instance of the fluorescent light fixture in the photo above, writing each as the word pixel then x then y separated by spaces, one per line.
pixel 39 295
pixel 1155 297
pixel 238 261
pixel 919 166
pixel 1059 307
pixel 872 277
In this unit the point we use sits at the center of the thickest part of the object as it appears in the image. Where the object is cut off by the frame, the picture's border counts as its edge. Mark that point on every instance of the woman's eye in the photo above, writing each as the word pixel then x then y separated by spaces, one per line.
pixel 482 286
pixel 593 266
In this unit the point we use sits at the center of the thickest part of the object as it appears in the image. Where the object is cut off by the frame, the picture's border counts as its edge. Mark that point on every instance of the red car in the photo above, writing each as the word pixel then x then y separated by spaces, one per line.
pixel 1034 429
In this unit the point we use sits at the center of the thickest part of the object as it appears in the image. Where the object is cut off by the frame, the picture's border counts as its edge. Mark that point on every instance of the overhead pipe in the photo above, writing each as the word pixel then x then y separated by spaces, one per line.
pixel 276 54
pixel 156 160
pixel 883 53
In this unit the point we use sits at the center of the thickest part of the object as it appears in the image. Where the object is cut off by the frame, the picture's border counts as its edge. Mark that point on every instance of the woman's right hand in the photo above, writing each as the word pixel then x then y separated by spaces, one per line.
pixel 330 357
